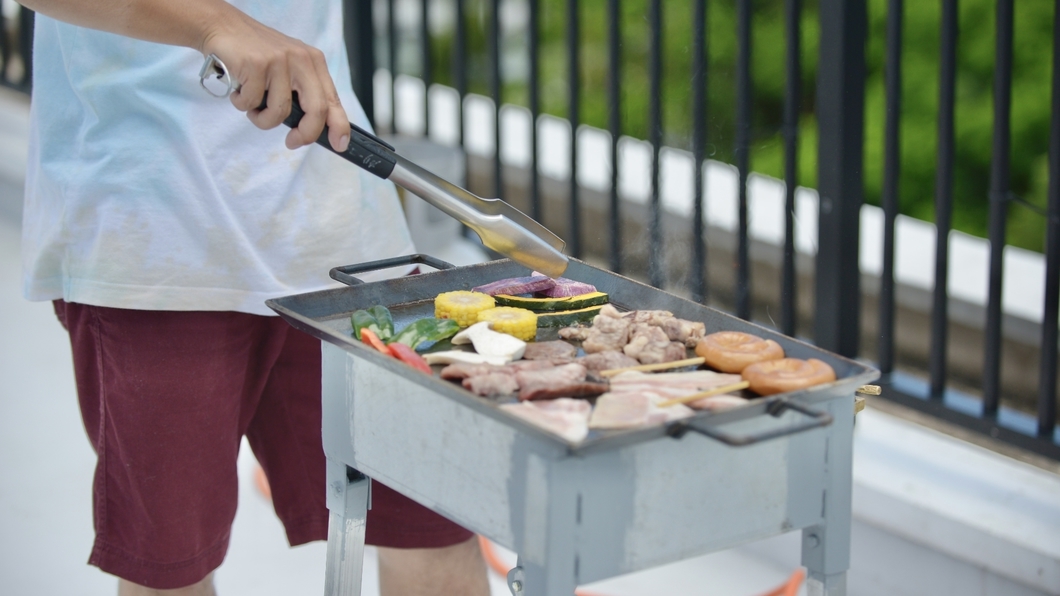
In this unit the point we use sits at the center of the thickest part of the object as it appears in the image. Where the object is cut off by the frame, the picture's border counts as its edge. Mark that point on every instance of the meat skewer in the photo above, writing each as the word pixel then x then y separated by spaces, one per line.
pixel 652 367
pixel 702 394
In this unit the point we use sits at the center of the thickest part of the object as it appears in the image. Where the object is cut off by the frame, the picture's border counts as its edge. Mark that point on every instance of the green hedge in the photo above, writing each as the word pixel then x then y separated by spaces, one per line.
pixel 1030 102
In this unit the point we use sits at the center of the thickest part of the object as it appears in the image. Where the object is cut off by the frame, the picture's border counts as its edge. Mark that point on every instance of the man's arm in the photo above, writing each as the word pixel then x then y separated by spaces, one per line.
pixel 260 58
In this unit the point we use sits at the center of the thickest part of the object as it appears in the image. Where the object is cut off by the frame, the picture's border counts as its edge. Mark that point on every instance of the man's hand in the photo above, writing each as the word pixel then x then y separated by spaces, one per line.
pixel 258 57
pixel 261 59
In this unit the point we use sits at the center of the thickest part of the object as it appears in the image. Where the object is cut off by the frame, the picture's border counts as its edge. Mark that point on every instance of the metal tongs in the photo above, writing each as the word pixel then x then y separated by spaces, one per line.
pixel 500 226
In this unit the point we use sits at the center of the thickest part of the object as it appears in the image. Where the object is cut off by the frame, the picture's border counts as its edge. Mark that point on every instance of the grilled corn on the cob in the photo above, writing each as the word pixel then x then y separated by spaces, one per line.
pixel 519 322
pixel 462 306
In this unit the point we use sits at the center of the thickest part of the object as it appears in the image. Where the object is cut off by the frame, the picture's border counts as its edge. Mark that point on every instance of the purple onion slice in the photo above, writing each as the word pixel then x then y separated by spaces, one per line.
pixel 517 285
pixel 565 288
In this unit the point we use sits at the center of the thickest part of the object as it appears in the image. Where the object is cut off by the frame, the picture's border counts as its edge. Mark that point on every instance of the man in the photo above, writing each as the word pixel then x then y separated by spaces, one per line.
pixel 159 221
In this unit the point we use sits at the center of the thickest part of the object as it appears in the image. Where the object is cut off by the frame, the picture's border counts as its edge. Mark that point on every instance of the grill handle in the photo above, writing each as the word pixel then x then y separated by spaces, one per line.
pixel 345 273
pixel 815 418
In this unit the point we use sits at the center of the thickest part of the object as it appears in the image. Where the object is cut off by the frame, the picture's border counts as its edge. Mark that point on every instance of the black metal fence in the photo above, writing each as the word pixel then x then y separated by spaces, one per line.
pixel 840 107
pixel 16 50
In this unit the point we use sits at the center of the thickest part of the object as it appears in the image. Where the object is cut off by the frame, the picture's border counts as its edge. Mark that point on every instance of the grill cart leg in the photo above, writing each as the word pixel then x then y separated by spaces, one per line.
pixel 348 502
pixel 515 580
pixel 535 580
pixel 826 547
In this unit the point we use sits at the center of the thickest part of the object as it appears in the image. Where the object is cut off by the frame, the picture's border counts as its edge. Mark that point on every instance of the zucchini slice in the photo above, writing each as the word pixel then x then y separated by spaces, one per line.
pixel 567 318
pixel 553 304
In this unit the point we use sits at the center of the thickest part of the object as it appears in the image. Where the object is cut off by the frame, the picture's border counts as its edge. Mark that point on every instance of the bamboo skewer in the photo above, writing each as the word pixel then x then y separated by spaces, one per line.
pixel 652 367
pixel 708 393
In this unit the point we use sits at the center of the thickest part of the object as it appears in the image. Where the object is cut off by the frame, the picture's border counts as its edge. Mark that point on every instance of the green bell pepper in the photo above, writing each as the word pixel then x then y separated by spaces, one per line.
pixel 376 318
pixel 426 330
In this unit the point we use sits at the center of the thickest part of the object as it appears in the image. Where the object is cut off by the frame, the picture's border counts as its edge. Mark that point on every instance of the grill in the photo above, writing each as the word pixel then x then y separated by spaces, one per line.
pixel 618 502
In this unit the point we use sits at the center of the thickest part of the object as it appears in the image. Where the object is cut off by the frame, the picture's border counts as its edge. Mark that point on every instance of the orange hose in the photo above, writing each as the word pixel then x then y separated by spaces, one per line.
pixel 790 587
pixel 261 482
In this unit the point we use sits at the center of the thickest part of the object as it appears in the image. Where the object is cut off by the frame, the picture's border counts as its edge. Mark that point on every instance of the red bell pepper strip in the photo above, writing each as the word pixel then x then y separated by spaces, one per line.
pixel 410 357
pixel 369 337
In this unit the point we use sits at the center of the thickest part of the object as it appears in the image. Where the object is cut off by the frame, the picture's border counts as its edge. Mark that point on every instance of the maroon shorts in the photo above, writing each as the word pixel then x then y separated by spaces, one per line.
pixel 166 398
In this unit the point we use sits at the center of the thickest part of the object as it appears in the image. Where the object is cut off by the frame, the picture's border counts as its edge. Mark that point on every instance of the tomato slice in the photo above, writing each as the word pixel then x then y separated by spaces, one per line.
pixel 369 337
pixel 410 357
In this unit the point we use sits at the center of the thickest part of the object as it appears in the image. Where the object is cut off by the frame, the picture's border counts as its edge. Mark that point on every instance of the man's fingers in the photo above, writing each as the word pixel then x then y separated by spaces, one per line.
pixel 277 67
pixel 339 132
pixel 278 106
pixel 337 121
pixel 312 123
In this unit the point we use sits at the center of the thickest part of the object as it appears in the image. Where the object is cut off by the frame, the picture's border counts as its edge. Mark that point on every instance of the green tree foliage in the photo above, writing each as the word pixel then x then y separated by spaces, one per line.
pixel 1031 91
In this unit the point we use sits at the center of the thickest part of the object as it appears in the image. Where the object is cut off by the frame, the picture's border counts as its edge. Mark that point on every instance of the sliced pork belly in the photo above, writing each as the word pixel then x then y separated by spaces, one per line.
pixel 696 380
pixel 557 352
pixel 491 384
pixel 680 384
pixel 719 403
pixel 521 365
pixel 533 383
pixel 576 389
pixel 568 418
pixel 460 370
pixel 633 410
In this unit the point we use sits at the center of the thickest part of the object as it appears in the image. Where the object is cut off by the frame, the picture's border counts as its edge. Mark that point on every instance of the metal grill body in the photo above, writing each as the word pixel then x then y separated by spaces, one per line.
pixel 619 502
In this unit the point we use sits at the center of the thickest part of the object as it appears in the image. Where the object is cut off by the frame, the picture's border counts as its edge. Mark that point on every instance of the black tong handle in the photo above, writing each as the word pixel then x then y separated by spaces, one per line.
pixel 366 150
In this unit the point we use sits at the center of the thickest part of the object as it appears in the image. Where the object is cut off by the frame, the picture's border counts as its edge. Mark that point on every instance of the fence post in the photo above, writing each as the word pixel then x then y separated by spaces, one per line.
pixel 360 47
pixel 840 126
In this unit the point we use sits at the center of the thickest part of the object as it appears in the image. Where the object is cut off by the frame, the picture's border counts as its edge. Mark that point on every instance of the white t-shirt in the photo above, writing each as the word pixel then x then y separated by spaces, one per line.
pixel 145 192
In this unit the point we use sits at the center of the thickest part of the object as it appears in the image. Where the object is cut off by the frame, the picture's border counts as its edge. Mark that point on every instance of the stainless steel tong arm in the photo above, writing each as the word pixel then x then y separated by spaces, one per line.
pixel 500 226
pixel 462 204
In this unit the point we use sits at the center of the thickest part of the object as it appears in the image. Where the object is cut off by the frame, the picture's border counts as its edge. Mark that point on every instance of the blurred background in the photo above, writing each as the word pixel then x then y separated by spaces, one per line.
pixel 876 176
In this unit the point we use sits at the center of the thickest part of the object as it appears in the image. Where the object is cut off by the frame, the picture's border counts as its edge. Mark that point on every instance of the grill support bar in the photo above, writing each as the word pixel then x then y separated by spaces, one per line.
pixel 349 494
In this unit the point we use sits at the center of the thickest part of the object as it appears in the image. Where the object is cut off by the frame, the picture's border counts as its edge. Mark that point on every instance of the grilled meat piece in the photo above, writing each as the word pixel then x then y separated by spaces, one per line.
pixel 680 384
pixel 568 418
pixel 692 381
pixel 532 382
pixel 577 389
pixel 557 352
pixel 606 360
pixel 719 403
pixel 576 333
pixel 607 333
pixel 649 317
pixel 633 409
pixel 461 370
pixel 491 384
pixel 650 345
pixel 686 332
